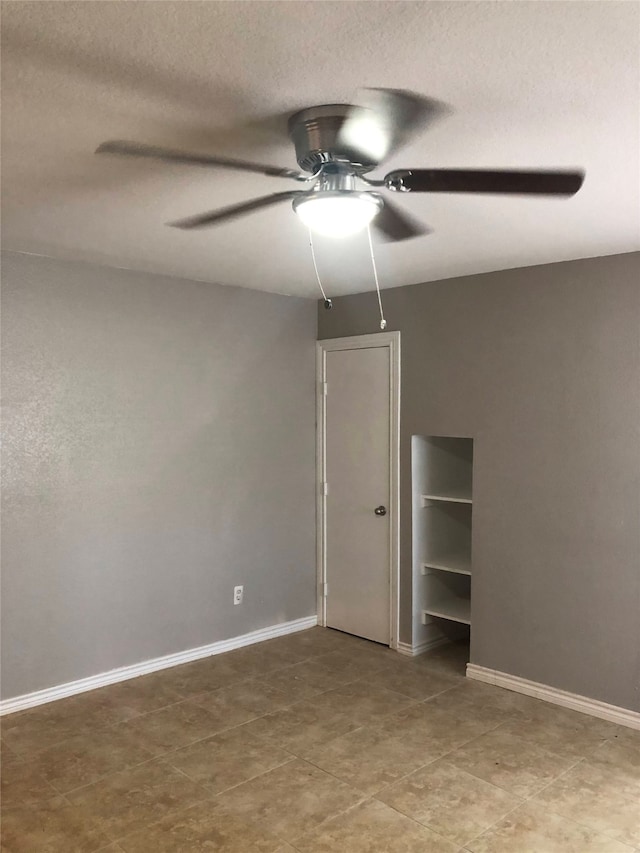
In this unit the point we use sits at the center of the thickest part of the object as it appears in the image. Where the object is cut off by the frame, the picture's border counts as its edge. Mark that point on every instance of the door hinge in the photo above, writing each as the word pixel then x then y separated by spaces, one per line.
pixel 324 388
pixel 324 488
pixel 325 590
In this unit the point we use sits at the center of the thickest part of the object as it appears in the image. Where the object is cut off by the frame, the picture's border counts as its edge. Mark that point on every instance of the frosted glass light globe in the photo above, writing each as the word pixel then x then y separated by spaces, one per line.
pixel 337 214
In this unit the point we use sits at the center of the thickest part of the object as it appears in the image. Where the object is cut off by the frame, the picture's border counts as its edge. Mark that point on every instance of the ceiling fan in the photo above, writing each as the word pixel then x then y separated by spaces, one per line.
pixel 336 146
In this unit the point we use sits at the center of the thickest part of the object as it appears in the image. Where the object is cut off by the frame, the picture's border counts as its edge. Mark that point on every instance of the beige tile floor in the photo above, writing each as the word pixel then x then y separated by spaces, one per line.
pixel 316 742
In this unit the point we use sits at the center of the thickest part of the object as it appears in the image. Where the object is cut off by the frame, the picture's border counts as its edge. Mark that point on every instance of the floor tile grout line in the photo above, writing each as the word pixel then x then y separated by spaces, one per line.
pixel 531 743
pixel 159 672
pixel 215 794
pixel 374 795
pixel 108 726
pixel 101 779
pixel 29 756
pixel 162 756
pixel 441 693
pixel 328 772
pixel 429 762
pixel 158 757
pixel 444 758
pixel 212 797
pixel 533 797
pixel 604 833
pixel 494 824
pixel 210 794
pixel 26 755
pixel 524 800
pixel 475 776
pixel 186 698
pixel 169 814
pixel 340 813
pixel 424 825
pixel 491 731
pixel 35 804
pixel 578 761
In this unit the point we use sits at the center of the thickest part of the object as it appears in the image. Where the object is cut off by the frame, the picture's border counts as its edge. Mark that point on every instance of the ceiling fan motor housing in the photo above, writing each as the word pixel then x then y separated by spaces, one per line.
pixel 315 134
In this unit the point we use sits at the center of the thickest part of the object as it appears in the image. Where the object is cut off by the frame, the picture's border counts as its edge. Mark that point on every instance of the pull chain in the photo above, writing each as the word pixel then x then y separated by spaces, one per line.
pixel 327 302
pixel 383 322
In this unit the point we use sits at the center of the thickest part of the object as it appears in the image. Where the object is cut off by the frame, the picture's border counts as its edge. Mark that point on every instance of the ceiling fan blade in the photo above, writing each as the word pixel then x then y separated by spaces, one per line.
pixel 485 181
pixel 383 119
pixel 224 214
pixel 138 149
pixel 396 225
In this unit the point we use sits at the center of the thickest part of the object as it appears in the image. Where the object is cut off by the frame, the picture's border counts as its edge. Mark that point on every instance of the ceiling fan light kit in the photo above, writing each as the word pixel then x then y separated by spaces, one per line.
pixel 336 146
pixel 337 214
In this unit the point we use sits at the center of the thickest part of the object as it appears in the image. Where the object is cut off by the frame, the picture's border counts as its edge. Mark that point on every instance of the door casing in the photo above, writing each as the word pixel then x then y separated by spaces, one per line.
pixel 391 340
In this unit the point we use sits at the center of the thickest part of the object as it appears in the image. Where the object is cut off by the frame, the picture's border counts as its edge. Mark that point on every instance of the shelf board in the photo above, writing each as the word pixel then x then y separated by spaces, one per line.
pixel 458 496
pixel 454 609
pixel 460 564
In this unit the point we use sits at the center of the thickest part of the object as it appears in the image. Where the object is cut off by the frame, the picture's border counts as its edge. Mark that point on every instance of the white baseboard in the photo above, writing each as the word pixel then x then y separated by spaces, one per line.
pixel 413 651
pixel 612 713
pixel 71 688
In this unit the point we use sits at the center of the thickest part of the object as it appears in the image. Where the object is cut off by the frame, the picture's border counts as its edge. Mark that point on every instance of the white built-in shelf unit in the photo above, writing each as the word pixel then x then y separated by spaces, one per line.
pixel 442 470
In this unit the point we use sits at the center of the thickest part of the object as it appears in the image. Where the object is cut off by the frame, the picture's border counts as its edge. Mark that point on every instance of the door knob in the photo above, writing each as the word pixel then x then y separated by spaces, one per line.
pixel 380 510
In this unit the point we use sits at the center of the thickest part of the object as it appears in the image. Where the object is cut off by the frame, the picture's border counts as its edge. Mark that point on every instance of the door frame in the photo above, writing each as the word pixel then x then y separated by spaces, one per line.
pixel 391 340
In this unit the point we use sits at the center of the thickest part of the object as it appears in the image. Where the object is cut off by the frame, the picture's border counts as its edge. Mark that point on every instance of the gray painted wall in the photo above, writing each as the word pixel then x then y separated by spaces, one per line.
pixel 542 367
pixel 158 449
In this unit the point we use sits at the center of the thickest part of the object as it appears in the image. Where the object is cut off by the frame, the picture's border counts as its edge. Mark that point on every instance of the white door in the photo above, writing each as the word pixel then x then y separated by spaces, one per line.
pixel 357 517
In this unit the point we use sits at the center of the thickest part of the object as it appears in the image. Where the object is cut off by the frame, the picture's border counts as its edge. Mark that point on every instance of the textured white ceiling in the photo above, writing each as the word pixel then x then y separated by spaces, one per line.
pixel 532 84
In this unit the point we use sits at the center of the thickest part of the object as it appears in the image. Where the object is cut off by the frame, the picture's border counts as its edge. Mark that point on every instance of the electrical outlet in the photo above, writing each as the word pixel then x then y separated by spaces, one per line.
pixel 238 593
